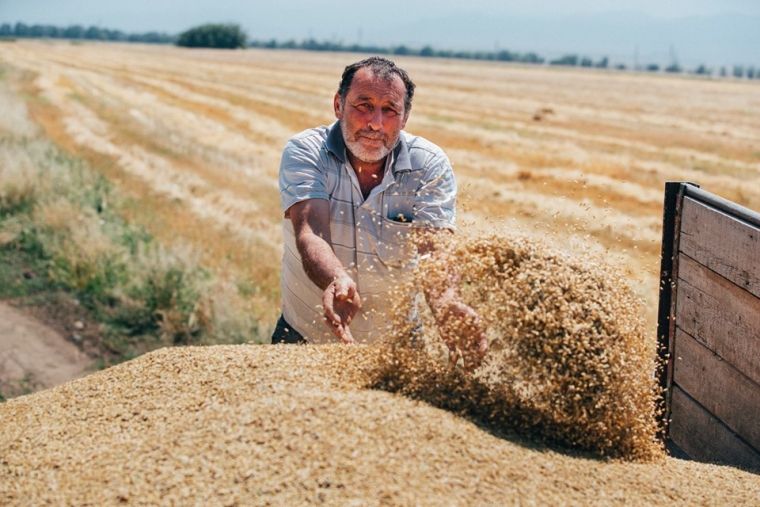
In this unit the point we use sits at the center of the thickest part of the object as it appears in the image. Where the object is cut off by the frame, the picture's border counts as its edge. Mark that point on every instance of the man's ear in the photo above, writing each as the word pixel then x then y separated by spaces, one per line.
pixel 336 106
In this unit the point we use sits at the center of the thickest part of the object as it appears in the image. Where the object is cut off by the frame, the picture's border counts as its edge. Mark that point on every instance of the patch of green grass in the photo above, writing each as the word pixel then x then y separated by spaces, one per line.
pixel 21 275
pixel 61 232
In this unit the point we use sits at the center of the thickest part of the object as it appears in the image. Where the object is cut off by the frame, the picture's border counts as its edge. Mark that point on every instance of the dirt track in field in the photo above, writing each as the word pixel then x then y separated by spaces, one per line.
pixel 34 356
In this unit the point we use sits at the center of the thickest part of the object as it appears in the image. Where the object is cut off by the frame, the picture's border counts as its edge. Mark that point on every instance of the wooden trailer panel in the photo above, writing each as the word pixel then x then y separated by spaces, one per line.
pixel 709 327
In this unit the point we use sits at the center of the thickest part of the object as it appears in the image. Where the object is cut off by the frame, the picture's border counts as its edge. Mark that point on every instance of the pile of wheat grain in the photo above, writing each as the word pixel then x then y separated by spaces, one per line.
pixel 570 362
pixel 241 425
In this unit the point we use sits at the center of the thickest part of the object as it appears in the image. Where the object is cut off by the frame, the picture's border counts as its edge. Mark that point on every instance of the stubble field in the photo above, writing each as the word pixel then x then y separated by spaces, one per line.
pixel 579 157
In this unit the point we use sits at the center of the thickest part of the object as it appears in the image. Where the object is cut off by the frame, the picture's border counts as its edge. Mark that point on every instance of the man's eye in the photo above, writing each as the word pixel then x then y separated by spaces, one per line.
pixel 363 107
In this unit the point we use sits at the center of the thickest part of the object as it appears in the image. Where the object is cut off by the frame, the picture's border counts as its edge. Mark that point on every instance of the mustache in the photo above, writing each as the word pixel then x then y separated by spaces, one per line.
pixel 370 135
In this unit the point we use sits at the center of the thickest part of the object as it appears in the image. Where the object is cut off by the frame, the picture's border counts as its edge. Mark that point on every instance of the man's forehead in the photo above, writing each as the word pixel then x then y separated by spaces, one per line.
pixel 366 81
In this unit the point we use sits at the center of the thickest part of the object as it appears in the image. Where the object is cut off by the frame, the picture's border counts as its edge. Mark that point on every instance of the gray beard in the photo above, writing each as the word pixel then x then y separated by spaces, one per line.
pixel 368 156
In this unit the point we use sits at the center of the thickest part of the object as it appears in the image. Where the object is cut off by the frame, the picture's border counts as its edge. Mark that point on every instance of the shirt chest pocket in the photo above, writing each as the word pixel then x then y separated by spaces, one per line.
pixel 399 207
pixel 395 248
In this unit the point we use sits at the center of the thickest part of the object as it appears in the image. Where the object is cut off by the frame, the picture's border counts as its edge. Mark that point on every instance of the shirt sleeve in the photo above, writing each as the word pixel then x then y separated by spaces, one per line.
pixel 302 171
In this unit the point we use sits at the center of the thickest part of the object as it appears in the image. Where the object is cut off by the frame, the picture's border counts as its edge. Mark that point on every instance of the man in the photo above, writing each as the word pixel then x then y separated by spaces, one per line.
pixel 353 194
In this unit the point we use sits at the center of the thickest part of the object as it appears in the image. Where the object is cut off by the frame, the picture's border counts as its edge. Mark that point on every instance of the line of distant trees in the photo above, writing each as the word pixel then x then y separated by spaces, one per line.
pixel 232 36
pixel 428 51
pixel 21 30
pixel 568 60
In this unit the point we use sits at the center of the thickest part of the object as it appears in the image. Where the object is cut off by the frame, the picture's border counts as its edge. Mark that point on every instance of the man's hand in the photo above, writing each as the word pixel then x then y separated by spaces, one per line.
pixel 459 325
pixel 341 301
pixel 462 332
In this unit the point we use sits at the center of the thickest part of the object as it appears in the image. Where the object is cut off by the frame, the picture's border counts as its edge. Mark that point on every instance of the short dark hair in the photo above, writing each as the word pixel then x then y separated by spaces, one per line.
pixel 382 68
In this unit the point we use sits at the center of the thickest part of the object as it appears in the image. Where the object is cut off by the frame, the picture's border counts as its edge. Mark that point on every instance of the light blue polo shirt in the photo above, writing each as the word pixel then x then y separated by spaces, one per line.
pixel 370 237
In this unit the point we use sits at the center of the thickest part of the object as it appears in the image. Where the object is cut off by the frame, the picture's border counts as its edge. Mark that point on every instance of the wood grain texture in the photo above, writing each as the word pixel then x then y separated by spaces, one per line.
pixel 720 315
pixel 726 245
pixel 718 387
pixel 705 438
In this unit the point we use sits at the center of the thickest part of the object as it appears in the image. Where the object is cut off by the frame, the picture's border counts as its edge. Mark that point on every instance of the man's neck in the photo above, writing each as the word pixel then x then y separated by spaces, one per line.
pixel 369 175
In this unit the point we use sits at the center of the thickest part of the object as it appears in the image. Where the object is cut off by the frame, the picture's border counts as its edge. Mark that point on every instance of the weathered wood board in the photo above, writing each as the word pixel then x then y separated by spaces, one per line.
pixel 709 327
pixel 724 244
pixel 713 442
pixel 716 385
pixel 720 315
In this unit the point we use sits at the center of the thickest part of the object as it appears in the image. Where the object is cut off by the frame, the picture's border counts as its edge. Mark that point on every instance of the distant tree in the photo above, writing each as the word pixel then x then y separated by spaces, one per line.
pixel 115 35
pixel 620 66
pixel 586 62
pixel 21 30
pixel 74 32
pixel 702 70
pixel 6 30
pixel 602 64
pixel 570 60
pixel 37 31
pixel 506 56
pixel 531 58
pixel 673 68
pixel 213 36
pixel 723 72
pixel 653 67
pixel 427 51
pixel 750 73
pixel 738 71
pixel 94 33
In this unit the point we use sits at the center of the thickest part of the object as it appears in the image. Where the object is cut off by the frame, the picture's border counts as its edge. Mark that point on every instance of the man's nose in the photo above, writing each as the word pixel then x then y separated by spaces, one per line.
pixel 375 119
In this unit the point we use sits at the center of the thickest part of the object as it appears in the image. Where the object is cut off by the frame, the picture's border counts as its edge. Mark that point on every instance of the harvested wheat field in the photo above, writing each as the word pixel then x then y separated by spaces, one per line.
pixel 580 156
pixel 561 174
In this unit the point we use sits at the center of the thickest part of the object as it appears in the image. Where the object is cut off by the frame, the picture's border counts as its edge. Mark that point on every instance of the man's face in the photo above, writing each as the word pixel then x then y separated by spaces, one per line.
pixel 372 115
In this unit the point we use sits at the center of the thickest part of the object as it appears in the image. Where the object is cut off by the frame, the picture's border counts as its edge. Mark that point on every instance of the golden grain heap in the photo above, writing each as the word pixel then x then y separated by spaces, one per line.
pixel 569 363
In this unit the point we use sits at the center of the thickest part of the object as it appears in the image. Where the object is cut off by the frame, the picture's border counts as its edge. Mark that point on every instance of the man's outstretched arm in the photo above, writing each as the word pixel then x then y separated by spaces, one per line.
pixel 340 299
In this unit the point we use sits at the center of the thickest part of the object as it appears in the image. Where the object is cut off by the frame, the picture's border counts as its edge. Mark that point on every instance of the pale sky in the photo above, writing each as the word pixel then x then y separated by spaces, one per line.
pixel 696 30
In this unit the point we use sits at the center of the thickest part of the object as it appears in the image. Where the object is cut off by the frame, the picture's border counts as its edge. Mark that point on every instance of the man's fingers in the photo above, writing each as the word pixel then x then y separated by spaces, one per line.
pixel 347 337
pixel 328 304
pixel 342 332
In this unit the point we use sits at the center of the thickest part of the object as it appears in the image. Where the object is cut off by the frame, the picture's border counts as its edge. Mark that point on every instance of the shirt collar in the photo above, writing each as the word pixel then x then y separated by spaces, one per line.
pixel 400 153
